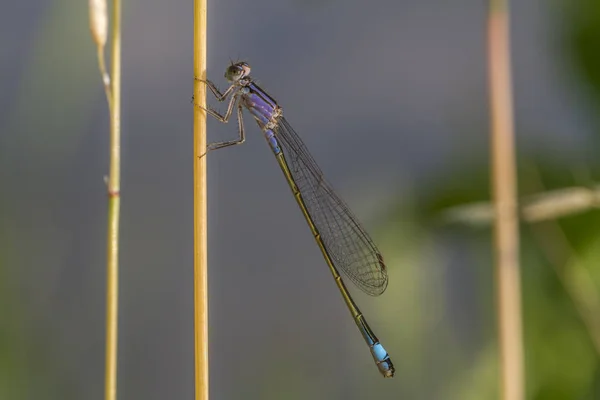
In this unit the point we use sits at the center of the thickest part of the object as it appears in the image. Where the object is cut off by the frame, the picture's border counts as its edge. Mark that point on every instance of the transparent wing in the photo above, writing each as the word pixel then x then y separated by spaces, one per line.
pixel 347 243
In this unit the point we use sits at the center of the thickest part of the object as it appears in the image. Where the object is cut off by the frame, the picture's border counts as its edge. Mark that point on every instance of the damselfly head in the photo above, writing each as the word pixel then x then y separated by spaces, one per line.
pixel 237 71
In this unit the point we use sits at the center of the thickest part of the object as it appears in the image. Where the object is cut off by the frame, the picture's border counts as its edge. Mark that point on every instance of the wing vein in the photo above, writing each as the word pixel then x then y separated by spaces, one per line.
pixel 348 244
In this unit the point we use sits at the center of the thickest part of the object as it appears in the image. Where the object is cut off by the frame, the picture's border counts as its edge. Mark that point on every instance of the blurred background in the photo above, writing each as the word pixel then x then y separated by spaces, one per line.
pixel 391 98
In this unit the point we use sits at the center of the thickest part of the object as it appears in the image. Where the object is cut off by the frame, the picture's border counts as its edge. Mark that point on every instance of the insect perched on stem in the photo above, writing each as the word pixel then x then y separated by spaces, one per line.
pixel 344 243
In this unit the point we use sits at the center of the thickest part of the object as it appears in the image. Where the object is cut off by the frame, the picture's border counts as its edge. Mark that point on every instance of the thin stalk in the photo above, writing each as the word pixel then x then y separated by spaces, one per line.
pixel 114 200
pixel 506 227
pixel 112 89
pixel 200 232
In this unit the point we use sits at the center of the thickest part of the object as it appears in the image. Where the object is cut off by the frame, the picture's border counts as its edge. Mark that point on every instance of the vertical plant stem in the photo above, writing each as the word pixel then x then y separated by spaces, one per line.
pixel 112 266
pixel 200 232
pixel 506 228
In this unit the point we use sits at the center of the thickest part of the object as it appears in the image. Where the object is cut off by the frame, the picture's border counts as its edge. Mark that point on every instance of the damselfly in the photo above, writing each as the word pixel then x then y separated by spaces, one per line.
pixel 344 243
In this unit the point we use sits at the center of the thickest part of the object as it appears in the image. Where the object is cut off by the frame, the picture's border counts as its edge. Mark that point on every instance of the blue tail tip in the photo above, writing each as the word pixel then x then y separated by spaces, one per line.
pixel 383 361
pixel 386 368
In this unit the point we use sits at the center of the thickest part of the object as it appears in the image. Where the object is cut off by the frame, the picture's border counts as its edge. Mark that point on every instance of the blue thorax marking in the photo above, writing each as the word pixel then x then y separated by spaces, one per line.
pixel 264 109
pixel 259 103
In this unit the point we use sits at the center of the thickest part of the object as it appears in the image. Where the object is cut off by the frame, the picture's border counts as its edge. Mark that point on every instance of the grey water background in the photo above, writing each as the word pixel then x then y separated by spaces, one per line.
pixel 387 95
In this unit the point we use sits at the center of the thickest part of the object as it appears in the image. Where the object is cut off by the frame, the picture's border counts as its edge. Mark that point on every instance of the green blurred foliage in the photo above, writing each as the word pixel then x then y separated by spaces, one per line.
pixel 561 360
pixel 12 368
pixel 583 40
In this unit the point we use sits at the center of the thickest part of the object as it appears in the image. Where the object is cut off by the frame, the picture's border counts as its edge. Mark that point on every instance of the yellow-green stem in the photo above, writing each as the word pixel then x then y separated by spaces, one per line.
pixel 200 251
pixel 504 188
pixel 113 183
